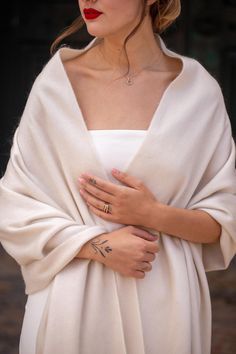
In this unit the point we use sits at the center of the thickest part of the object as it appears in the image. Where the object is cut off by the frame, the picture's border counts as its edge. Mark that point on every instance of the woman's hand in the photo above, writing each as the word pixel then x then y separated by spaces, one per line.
pixel 124 252
pixel 130 204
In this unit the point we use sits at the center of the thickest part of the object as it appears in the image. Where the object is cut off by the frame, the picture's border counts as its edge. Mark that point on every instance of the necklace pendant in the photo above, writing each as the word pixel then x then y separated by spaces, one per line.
pixel 129 81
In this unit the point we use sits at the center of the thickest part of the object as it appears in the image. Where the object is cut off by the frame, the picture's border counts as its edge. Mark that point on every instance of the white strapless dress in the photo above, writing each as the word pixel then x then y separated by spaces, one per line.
pixel 115 148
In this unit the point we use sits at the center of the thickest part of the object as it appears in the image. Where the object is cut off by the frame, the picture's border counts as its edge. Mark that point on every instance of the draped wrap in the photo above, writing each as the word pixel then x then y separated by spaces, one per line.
pixel 187 160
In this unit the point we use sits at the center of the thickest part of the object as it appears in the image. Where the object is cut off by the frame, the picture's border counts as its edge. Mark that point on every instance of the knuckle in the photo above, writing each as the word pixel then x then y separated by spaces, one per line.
pixel 143 249
pixel 97 192
pixel 145 246
pixel 139 244
pixel 139 184
pixel 155 248
pixel 122 194
pixel 140 255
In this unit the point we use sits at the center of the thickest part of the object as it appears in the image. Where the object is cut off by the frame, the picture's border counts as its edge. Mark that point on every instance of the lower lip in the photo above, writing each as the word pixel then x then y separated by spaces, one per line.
pixel 91 16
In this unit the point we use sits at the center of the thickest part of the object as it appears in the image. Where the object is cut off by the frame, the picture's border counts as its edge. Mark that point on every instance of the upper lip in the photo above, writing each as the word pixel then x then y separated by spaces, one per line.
pixel 91 10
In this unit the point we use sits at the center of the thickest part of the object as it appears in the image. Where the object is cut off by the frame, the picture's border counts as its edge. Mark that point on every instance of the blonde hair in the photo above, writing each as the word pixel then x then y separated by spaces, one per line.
pixel 163 13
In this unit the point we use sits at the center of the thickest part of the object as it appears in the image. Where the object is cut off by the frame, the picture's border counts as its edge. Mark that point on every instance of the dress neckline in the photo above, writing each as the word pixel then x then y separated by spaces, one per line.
pixel 117 130
pixel 168 95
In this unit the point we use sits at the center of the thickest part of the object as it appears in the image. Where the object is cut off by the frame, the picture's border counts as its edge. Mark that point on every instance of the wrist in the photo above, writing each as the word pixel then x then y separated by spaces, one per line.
pixel 87 251
pixel 99 248
pixel 157 216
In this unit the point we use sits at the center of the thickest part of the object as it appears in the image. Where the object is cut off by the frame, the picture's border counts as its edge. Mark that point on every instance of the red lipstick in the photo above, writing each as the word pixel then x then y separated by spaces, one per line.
pixel 90 13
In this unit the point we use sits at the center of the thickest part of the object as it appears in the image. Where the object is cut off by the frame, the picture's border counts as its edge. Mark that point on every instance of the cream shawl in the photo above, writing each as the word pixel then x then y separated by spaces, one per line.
pixel 187 159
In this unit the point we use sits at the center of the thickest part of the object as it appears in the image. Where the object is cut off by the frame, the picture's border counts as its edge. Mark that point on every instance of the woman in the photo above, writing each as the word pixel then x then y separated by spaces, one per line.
pixel 120 191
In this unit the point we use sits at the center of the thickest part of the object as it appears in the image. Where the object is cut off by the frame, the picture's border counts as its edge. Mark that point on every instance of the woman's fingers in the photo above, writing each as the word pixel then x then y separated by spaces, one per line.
pixel 149 257
pixel 92 201
pixel 152 247
pixel 138 274
pixel 106 186
pixel 142 233
pixel 96 192
pixel 127 179
pixel 144 266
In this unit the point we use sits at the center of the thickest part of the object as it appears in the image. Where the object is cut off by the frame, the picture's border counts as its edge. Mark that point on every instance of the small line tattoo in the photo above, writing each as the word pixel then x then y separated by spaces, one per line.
pixel 98 247
pixel 92 180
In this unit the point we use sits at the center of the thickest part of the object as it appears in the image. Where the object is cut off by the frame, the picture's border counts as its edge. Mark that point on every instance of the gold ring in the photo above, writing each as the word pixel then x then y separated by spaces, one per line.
pixel 107 208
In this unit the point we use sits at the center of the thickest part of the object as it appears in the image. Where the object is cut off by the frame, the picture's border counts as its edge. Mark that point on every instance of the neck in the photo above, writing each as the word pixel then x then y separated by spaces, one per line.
pixel 141 49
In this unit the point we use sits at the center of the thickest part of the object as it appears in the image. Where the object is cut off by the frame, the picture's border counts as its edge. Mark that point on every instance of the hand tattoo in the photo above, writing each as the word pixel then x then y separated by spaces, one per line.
pixel 97 246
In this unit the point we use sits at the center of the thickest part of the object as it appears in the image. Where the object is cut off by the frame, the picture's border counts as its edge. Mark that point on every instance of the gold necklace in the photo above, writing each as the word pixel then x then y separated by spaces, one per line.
pixel 129 78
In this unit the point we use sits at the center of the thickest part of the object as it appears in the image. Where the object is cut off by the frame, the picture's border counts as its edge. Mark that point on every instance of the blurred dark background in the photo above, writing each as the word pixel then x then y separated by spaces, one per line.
pixel 206 31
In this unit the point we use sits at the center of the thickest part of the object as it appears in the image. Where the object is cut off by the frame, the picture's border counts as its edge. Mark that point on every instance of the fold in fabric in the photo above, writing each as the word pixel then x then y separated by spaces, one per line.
pixel 187 160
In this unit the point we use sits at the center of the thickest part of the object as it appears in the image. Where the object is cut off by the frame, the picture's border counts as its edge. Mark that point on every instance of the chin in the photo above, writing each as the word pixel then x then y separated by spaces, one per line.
pixel 96 33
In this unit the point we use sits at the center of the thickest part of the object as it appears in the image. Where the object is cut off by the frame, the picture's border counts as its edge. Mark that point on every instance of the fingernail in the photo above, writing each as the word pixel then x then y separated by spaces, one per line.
pixel 115 171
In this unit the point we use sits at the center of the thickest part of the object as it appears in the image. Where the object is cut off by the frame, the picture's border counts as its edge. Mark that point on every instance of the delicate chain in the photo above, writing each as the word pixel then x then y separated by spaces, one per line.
pixel 129 80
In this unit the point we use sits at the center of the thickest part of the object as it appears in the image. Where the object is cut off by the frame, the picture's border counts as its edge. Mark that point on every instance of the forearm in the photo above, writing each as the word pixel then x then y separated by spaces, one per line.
pixel 191 225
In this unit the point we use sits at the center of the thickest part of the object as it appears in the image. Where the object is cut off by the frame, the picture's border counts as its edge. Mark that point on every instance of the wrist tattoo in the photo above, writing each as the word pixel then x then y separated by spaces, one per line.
pixel 98 247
